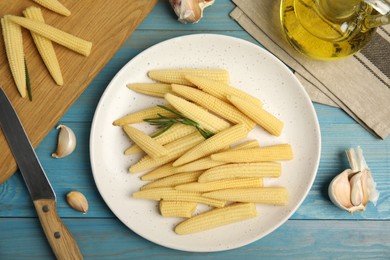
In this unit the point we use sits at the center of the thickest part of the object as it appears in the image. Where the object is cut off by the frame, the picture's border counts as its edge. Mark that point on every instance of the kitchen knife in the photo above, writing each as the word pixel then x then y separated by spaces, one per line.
pixel 61 240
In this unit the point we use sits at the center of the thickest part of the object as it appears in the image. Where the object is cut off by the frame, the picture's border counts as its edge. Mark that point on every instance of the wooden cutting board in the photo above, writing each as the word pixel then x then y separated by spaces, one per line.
pixel 107 24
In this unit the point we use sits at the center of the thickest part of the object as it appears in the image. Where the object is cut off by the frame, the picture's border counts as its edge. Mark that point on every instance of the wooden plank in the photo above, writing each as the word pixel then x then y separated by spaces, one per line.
pixel 74 173
pixel 106 26
pixel 66 174
pixel 109 239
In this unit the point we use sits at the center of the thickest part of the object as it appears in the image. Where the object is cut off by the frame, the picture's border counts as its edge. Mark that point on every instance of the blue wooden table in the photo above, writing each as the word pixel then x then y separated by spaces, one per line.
pixel 317 230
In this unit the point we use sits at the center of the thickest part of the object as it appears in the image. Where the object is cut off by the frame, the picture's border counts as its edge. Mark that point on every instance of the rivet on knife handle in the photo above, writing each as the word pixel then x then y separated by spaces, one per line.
pixel 61 240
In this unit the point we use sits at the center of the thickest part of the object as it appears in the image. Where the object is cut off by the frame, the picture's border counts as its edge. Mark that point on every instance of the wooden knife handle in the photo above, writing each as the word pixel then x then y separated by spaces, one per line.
pixel 61 240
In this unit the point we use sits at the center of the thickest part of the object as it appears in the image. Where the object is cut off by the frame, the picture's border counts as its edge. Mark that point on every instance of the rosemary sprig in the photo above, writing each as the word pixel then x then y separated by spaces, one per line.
pixel 165 122
pixel 28 83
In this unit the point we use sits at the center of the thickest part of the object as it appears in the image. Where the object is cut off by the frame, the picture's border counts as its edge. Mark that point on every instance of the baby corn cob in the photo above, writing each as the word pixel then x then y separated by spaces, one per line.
pixel 180 209
pixel 56 35
pixel 173 133
pixel 134 149
pixel 221 184
pixel 173 180
pixel 246 145
pixel 263 118
pixel 45 46
pixel 200 164
pixel 175 150
pixel 177 195
pixel 160 172
pixel 177 76
pixel 197 114
pixel 241 170
pixel 12 34
pixel 147 143
pixel 219 107
pixel 265 195
pixel 213 144
pixel 216 218
pixel 54 6
pixel 207 163
pixel 151 89
pixel 139 116
pixel 221 90
pixel 278 152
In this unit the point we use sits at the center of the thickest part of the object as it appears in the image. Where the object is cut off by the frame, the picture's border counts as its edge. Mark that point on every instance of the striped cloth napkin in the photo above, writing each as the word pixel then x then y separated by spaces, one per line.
pixel 359 84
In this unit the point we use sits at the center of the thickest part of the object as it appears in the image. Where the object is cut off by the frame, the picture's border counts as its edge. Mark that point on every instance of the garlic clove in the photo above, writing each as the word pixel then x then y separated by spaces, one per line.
pixel 365 187
pixel 340 190
pixel 66 142
pixel 190 11
pixel 77 201
pixel 353 188
pixel 356 189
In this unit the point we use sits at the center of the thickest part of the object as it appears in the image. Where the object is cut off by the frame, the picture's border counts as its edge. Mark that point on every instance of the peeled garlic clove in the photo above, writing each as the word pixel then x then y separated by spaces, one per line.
pixel 77 201
pixel 66 142
pixel 352 189
pixel 190 11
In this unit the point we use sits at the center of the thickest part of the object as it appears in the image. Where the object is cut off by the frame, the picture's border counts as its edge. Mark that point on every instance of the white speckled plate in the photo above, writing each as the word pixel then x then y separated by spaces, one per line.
pixel 253 70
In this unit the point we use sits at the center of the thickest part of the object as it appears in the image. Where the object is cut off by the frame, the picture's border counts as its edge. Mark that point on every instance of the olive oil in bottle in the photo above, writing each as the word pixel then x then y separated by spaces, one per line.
pixel 326 29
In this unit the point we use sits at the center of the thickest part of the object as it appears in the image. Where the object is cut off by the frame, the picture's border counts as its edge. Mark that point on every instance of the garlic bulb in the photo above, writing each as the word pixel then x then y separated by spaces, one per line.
pixel 190 11
pixel 66 142
pixel 353 188
pixel 77 201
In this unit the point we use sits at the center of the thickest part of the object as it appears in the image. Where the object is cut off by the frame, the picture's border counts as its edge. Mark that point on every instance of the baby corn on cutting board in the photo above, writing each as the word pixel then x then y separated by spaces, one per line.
pixel 104 23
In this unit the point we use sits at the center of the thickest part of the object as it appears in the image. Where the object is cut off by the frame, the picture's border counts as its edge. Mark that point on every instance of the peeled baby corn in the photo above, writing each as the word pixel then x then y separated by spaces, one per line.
pixel 177 76
pixel 45 46
pixel 180 209
pixel 242 170
pixel 54 6
pixel 277 152
pixel 139 116
pixel 263 118
pixel 213 144
pixel 216 218
pixel 246 145
pixel 151 89
pixel 207 163
pixel 173 133
pixel 264 195
pixel 134 149
pixel 147 143
pixel 175 150
pixel 173 180
pixel 200 164
pixel 219 107
pixel 221 90
pixel 12 34
pixel 160 172
pixel 221 184
pixel 197 114
pixel 56 35
pixel 177 195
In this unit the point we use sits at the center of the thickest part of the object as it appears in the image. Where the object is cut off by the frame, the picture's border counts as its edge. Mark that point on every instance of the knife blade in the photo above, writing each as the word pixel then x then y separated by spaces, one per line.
pixel 60 239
